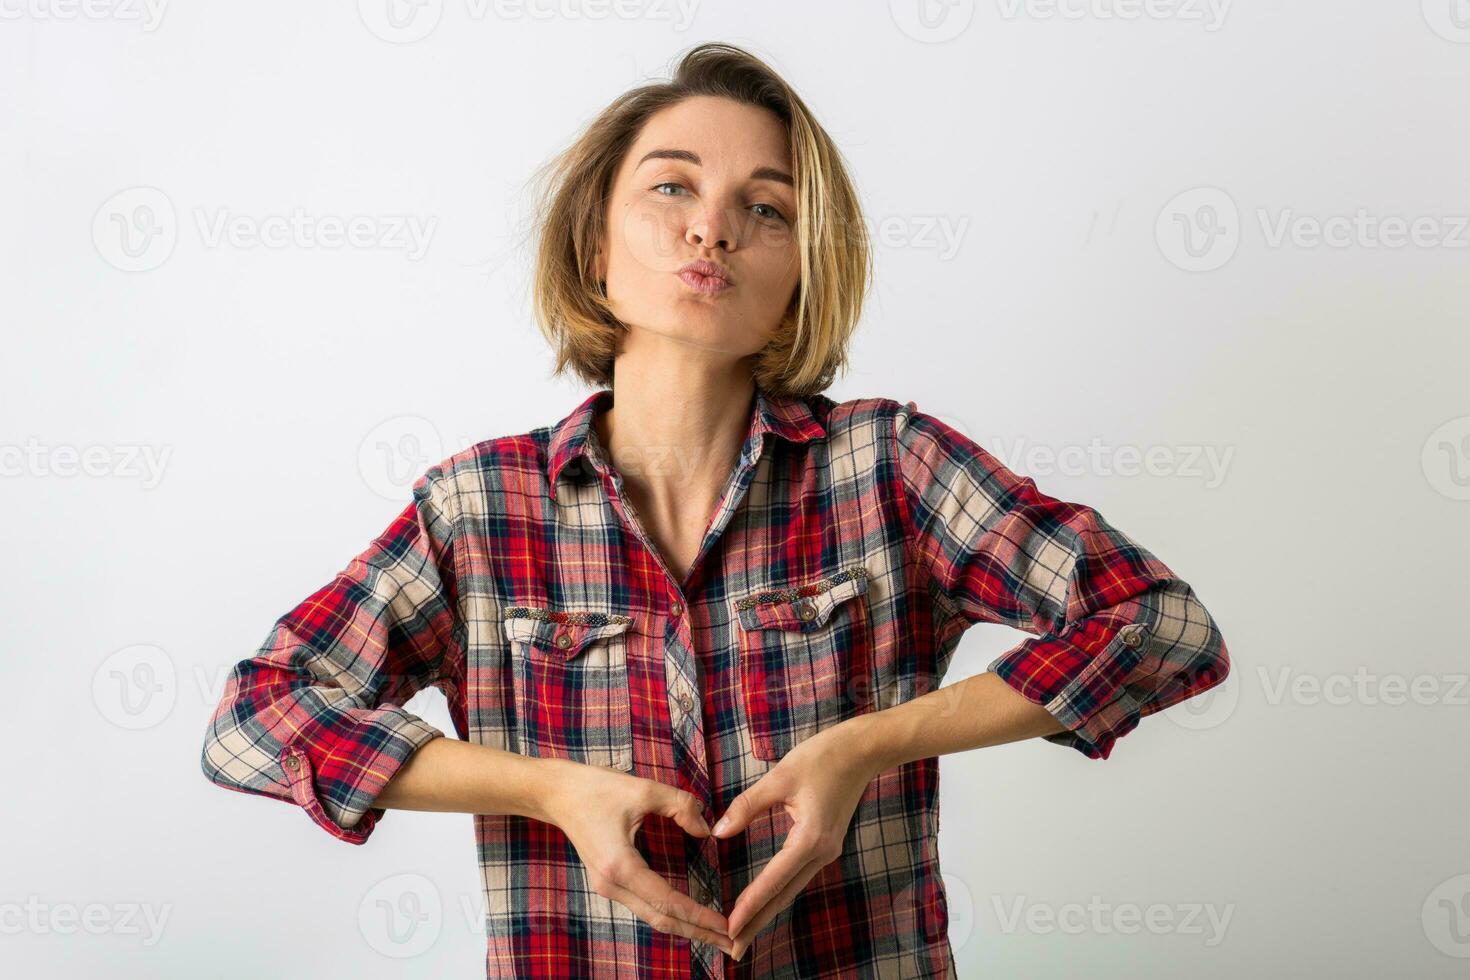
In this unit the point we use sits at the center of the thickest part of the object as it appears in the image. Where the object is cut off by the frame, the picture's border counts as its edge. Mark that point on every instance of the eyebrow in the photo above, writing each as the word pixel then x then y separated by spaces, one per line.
pixel 759 173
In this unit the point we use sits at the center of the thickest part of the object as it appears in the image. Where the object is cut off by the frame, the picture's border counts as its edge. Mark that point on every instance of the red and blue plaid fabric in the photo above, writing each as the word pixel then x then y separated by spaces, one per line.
pixel 852 546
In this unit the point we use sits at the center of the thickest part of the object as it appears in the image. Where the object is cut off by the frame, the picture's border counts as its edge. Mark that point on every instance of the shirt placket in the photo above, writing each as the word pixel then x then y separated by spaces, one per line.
pixel 684 688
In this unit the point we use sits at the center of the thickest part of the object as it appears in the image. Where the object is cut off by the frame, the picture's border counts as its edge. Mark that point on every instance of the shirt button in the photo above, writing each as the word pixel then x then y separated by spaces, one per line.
pixel 676 608
pixel 564 640
pixel 1133 638
pixel 701 895
pixel 808 610
pixel 293 763
pixel 686 703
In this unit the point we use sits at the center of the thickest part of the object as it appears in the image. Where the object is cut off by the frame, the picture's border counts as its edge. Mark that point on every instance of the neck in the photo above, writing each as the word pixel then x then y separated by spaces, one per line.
pixel 676 427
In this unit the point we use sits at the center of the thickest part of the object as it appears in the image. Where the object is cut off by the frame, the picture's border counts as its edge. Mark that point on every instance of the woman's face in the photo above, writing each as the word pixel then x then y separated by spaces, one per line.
pixel 707 179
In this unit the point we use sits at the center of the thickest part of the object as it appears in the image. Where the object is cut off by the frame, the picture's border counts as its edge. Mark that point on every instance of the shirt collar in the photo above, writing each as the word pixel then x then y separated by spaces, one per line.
pixel 574 438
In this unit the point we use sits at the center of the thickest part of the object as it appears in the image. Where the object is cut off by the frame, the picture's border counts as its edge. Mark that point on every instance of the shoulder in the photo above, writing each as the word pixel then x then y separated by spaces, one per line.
pixel 932 450
pixel 855 414
pixel 485 471
pixel 866 419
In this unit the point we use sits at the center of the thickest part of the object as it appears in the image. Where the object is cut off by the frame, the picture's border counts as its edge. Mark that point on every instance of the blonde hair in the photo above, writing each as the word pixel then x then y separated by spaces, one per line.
pixel 571 307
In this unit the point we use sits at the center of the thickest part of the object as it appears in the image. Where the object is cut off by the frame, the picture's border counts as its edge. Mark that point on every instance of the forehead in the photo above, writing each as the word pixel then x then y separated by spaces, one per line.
pixel 726 135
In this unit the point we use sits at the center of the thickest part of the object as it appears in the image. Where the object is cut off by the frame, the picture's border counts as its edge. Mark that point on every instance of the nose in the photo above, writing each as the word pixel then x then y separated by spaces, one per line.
pixel 713 228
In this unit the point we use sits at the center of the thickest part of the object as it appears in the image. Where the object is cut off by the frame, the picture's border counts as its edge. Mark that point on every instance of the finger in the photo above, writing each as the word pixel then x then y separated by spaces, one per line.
pixel 651 887
pixel 761 796
pixel 664 921
pixel 793 857
pixel 783 898
pixel 664 907
pixel 684 809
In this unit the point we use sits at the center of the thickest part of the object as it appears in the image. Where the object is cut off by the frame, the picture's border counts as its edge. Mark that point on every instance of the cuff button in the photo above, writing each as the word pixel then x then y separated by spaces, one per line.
pixel 293 763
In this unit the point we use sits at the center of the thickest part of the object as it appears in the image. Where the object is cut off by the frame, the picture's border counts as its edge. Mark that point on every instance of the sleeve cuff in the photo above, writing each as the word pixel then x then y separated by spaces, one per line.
pixel 1090 700
pixel 337 791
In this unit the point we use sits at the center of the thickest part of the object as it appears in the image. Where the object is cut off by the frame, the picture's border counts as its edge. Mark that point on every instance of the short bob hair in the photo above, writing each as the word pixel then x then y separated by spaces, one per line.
pixel 571 307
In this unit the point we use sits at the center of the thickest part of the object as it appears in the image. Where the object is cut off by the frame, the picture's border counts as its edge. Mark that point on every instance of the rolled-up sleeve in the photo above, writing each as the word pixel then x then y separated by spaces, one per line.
pixel 314 717
pixel 1116 634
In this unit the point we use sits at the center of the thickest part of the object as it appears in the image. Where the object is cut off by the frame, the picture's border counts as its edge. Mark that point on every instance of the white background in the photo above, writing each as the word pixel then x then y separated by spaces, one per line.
pixel 1305 404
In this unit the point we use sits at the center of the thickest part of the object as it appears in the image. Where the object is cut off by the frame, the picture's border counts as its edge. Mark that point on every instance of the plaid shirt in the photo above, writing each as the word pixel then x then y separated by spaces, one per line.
pixel 852 545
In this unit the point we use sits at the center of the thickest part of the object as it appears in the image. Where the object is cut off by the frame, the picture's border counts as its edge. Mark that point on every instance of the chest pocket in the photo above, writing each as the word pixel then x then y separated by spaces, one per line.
pixel 570 672
pixel 806 658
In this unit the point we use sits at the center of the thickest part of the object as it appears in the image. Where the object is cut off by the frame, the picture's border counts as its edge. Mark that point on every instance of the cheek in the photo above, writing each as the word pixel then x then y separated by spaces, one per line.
pixel 648 238
pixel 776 238
pixel 780 270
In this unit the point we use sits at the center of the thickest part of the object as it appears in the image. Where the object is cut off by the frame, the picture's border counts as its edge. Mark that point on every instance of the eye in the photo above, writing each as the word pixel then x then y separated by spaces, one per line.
pixel 668 183
pixel 775 213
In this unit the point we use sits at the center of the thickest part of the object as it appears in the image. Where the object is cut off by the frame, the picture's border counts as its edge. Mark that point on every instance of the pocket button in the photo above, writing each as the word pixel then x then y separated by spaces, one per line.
pixel 808 609
pixel 564 640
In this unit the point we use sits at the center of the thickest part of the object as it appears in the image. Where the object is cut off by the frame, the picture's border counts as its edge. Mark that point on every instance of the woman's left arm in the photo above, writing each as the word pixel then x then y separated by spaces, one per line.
pixel 1116 635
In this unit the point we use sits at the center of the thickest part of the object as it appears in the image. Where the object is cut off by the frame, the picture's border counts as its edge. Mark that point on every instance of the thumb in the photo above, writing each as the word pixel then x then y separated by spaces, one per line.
pixel 684 809
pixel 744 808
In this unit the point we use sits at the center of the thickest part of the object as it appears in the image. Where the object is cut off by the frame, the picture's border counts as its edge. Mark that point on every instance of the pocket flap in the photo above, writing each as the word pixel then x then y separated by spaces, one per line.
pixel 561 632
pixel 804 607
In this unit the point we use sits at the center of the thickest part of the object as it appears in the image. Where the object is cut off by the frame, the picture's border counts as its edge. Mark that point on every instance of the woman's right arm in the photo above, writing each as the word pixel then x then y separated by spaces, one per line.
pixel 315 718
pixel 450 776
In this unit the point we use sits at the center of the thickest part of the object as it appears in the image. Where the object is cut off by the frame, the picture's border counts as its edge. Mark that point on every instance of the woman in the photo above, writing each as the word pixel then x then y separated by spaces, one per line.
pixel 692 634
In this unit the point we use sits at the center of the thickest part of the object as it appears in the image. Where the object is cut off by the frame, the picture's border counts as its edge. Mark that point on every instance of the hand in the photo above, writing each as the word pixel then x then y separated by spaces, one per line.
pixel 819 783
pixel 603 836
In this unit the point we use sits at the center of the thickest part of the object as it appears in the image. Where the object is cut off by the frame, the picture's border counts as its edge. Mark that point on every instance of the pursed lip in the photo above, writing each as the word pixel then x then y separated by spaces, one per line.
pixel 707 269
